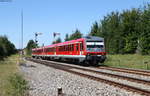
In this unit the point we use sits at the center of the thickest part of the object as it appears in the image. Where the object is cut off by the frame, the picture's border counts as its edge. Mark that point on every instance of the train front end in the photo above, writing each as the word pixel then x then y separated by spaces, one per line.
pixel 95 50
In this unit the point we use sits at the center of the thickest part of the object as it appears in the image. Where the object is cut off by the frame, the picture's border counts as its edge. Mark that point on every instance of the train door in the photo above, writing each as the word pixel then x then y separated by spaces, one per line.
pixel 43 51
pixel 81 48
pixel 77 48
pixel 55 49
pixel 73 50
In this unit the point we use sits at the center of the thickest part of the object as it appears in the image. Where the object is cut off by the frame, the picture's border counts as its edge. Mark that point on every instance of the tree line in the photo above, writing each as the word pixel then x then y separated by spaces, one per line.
pixel 31 44
pixel 6 47
pixel 125 32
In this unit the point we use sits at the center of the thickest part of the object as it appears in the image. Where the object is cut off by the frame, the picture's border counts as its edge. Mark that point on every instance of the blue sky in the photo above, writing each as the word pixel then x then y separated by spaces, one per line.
pixel 48 16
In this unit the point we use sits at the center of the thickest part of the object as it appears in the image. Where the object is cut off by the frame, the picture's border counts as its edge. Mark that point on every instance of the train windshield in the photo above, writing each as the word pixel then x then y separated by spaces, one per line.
pixel 95 46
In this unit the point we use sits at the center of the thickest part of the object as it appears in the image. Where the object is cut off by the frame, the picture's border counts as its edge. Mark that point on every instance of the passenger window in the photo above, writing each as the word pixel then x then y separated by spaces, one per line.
pixel 81 46
pixel 69 47
pixel 72 47
pixel 77 47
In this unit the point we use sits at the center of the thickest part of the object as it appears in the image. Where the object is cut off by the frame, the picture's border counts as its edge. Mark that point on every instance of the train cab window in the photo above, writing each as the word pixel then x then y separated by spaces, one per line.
pixel 95 48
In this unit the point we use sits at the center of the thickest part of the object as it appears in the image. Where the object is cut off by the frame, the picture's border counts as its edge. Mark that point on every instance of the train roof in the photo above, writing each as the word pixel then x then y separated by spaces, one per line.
pixel 65 43
pixel 93 38
pixel 87 38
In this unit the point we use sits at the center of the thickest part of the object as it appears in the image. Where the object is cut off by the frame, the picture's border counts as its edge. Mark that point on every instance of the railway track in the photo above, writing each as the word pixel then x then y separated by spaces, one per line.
pixel 125 70
pixel 70 69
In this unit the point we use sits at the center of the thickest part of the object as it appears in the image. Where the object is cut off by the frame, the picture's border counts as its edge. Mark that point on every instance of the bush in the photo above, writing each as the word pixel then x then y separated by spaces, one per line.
pixel 19 85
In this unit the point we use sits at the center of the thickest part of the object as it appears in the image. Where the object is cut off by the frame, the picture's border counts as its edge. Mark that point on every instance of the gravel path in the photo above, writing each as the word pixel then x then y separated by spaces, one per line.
pixel 44 81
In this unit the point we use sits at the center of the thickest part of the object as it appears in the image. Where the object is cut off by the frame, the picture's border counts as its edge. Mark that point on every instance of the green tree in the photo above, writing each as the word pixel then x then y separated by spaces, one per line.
pixel 125 32
pixel 2 52
pixel 58 40
pixel 130 21
pixel 110 30
pixel 77 34
pixel 7 48
pixel 94 29
pixel 144 38
pixel 31 44
pixel 67 37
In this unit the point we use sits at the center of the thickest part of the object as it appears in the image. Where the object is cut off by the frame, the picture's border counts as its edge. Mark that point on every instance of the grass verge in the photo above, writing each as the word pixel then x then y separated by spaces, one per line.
pixel 134 61
pixel 12 82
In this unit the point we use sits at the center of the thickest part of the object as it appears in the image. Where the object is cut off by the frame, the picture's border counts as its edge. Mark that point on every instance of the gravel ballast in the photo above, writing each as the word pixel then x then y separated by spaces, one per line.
pixel 44 81
pixel 126 82
pixel 109 71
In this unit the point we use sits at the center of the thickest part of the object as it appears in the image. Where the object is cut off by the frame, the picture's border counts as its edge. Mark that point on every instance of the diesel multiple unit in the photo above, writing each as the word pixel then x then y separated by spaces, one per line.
pixel 87 50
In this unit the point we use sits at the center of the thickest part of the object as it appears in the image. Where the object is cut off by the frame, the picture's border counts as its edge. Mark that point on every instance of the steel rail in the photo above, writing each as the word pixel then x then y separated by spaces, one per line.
pixel 125 70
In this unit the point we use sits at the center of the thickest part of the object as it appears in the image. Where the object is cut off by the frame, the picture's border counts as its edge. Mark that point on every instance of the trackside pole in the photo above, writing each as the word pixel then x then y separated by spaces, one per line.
pixel 59 91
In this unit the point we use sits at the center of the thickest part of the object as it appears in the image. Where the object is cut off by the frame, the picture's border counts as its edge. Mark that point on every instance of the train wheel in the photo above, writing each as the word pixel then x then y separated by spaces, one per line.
pixel 85 63
pixel 102 61
pixel 94 63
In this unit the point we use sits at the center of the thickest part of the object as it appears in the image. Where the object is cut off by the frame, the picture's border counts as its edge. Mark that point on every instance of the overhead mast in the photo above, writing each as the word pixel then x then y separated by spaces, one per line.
pixel 22 33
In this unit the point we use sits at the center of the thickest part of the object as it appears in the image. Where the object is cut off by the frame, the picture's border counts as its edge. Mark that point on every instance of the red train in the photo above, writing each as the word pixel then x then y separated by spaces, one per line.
pixel 87 50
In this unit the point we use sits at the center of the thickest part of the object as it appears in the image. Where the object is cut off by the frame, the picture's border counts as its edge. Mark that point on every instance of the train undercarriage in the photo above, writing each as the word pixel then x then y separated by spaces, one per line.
pixel 82 60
